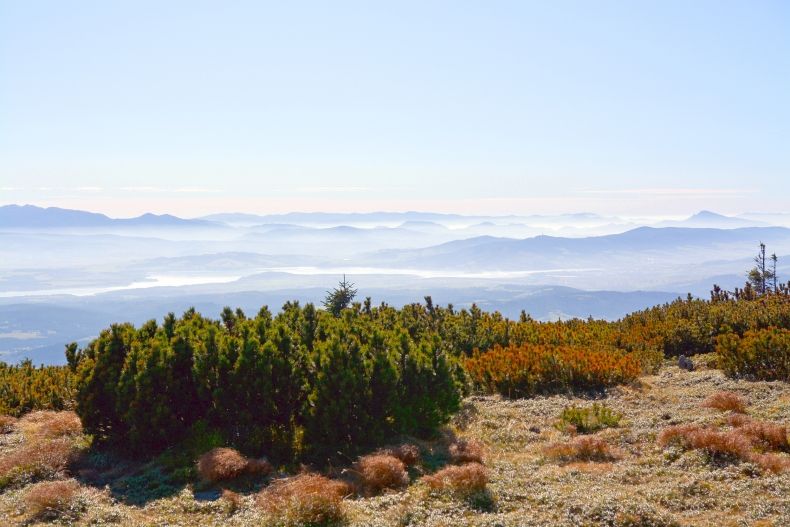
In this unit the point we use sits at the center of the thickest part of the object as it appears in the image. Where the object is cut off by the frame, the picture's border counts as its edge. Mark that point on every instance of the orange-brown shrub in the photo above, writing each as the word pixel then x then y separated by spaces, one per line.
pixel 522 371
pixel 582 448
pixel 466 451
pixel 222 464
pixel 725 401
pixel 775 463
pixel 731 443
pixel 743 442
pixel 51 498
pixel 306 499
pixel 463 480
pixel 408 453
pixel 7 423
pixel 46 424
pixel 36 460
pixel 769 436
pixel 378 472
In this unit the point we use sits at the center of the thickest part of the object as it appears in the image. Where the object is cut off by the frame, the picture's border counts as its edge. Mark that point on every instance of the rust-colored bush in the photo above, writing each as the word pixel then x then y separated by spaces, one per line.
pixel 306 499
pixel 222 464
pixel 581 448
pixel 408 453
pixel 766 435
pixel 522 371
pixel 378 472
pixel 725 401
pixel 51 498
pixel 462 480
pixel 46 424
pixel 775 463
pixel 748 440
pixel 466 451
pixel 7 423
pixel 36 460
pixel 732 443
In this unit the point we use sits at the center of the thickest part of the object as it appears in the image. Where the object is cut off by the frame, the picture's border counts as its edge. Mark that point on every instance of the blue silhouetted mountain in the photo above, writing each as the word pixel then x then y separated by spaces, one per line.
pixel 33 217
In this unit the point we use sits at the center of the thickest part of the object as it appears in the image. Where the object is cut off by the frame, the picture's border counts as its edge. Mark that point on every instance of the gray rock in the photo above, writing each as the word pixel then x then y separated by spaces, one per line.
pixel 684 363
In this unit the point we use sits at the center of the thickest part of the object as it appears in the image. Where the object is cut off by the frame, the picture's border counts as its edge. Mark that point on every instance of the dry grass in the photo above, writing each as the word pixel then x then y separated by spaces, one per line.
pixel 47 424
pixel 466 451
pixel 581 448
pixel 725 401
pixel 409 454
pixel 223 464
pixel 7 423
pixel 462 480
pixel 51 498
pixel 378 472
pixel 304 500
pixel 36 460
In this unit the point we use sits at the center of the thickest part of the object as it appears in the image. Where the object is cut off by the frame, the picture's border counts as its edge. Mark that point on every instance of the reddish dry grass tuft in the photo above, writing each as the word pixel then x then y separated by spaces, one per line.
pixel 232 499
pixel 7 423
pixel 46 424
pixel 461 480
pixel 51 498
pixel 408 453
pixel 222 464
pixel 739 442
pixel 306 499
pixel 466 451
pixel 768 436
pixel 378 472
pixel 775 463
pixel 718 444
pixel 37 460
pixel 725 401
pixel 582 448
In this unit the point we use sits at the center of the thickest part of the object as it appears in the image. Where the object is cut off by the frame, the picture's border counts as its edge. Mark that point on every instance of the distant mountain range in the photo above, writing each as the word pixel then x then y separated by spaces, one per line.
pixel 541 252
pixel 710 220
pixel 32 217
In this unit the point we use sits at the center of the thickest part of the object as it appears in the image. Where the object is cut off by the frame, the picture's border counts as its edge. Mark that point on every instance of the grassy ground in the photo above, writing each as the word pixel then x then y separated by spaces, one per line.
pixel 647 486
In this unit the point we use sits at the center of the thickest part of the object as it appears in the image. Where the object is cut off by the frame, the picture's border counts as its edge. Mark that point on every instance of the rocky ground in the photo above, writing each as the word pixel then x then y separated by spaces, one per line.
pixel 647 486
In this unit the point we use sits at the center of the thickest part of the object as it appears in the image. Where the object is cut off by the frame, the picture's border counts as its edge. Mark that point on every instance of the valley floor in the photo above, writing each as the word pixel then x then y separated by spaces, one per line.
pixel 648 486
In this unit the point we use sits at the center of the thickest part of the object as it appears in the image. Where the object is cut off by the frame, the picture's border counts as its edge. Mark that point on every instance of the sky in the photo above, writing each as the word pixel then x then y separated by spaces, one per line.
pixel 193 107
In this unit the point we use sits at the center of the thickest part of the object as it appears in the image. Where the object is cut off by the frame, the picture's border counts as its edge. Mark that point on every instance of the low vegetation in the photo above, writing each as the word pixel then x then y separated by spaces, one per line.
pixel 462 481
pixel 52 499
pixel 25 387
pixel 522 371
pixel 725 401
pixel 581 448
pixel 587 420
pixel 379 472
pixel 223 464
pixel 304 500
pixel 758 354
pixel 747 440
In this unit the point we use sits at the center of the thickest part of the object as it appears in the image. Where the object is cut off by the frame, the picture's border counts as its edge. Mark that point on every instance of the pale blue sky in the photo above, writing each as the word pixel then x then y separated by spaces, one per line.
pixel 190 107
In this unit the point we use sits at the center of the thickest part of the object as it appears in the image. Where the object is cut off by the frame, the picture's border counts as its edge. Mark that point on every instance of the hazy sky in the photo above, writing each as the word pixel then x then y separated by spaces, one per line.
pixel 651 107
